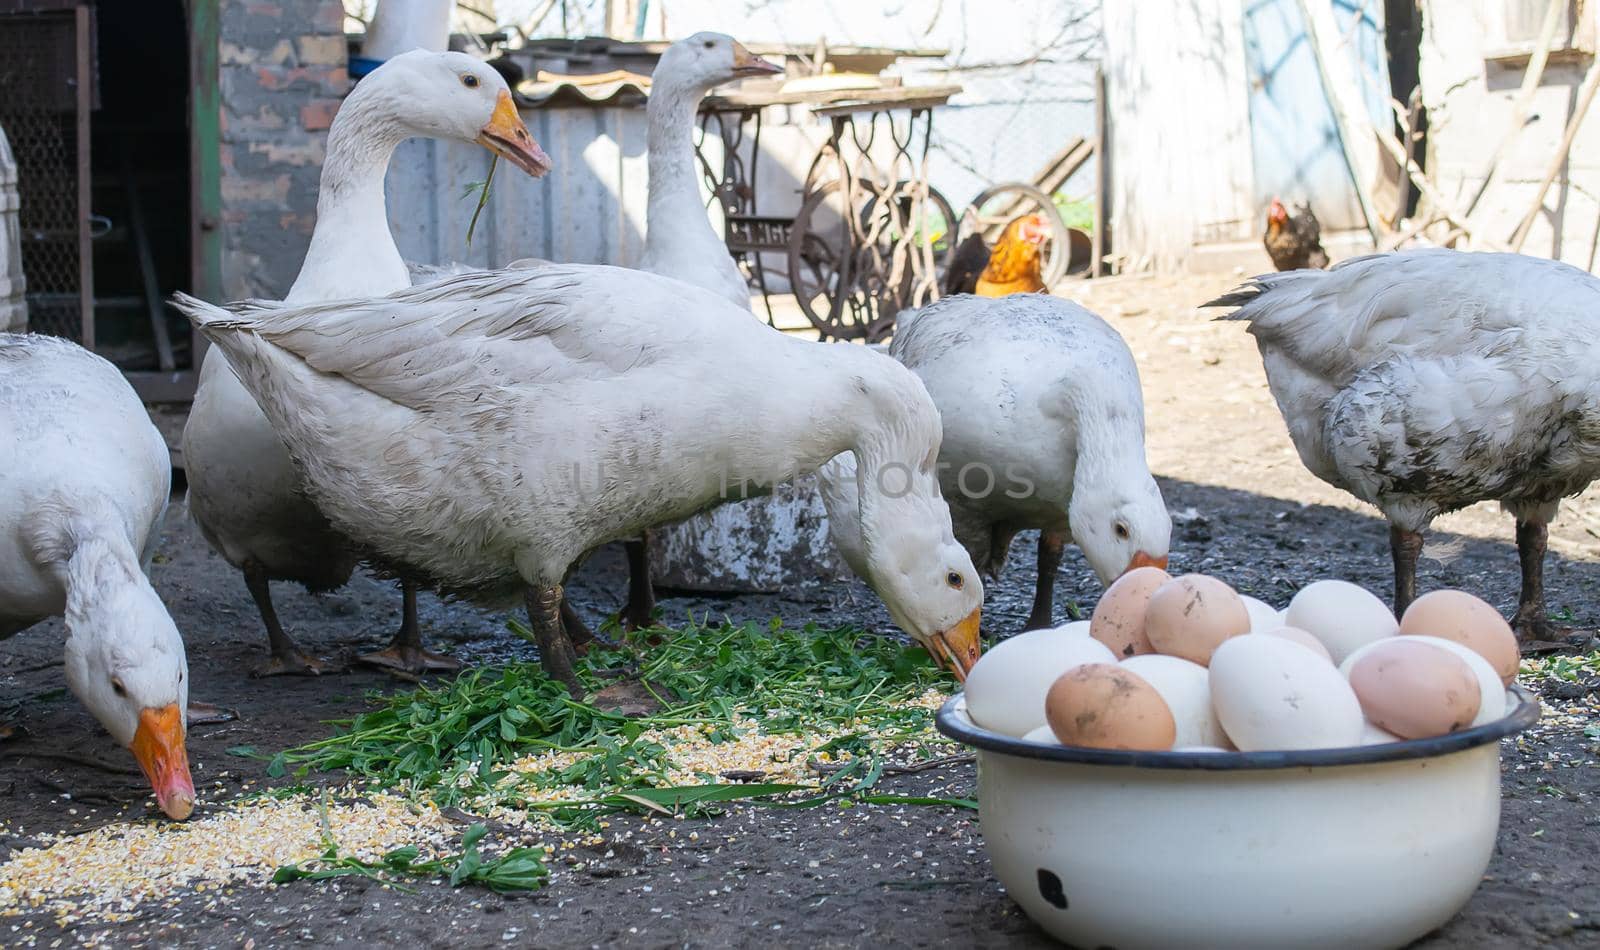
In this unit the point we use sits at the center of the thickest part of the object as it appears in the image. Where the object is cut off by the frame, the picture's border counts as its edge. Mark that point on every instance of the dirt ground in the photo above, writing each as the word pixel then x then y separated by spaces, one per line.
pixel 1244 509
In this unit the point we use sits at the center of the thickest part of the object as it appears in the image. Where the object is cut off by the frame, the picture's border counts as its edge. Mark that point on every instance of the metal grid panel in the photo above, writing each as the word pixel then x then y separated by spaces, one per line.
pixel 38 109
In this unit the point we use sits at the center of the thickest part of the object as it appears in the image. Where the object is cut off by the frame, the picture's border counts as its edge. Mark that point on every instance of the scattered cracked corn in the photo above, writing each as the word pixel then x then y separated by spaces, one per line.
pixel 108 872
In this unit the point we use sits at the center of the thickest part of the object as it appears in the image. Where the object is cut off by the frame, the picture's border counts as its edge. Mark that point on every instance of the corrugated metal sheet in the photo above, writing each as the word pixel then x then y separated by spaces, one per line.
pixel 1295 142
pixel 589 210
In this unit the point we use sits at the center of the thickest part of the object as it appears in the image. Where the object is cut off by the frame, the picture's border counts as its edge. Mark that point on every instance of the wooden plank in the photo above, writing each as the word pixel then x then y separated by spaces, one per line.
pixel 205 164
pixel 1102 194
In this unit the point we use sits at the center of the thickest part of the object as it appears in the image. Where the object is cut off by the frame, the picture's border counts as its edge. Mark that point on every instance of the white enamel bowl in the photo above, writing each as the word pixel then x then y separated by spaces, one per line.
pixel 1371 846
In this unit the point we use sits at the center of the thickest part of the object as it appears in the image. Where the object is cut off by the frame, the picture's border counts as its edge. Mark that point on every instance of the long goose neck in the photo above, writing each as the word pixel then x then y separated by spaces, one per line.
pixel 352 251
pixel 892 426
pixel 674 182
pixel 100 563
pixel 1110 431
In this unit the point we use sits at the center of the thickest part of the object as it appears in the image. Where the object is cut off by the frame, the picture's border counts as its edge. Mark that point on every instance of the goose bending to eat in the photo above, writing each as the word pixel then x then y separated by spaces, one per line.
pixel 243 490
pixel 1425 381
pixel 82 494
pixel 485 432
pixel 1043 428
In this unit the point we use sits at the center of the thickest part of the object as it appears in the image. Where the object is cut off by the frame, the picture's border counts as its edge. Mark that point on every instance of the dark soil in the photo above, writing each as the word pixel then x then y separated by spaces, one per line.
pixel 862 876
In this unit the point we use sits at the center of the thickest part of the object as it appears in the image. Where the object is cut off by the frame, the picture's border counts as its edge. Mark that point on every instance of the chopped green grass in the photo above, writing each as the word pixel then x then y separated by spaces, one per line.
pixel 457 743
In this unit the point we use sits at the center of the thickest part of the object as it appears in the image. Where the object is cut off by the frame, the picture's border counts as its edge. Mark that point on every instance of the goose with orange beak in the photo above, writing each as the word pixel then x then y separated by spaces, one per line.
pixel 1043 429
pixel 81 502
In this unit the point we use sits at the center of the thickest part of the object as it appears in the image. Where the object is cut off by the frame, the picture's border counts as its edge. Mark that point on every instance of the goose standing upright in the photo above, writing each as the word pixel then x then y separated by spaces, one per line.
pixel 1425 381
pixel 243 489
pixel 679 240
pixel 504 424
pixel 1043 428
pixel 82 495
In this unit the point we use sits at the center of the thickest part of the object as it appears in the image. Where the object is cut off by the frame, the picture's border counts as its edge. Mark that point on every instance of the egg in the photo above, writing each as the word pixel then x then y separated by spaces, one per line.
pixel 1263 616
pixel 1118 619
pixel 1103 706
pixel 1372 735
pixel 1186 690
pixel 1459 616
pixel 1190 615
pixel 1270 693
pixel 1415 690
pixel 1041 735
pixel 1076 628
pixel 1491 693
pixel 1005 690
pixel 1341 615
pixel 1296 635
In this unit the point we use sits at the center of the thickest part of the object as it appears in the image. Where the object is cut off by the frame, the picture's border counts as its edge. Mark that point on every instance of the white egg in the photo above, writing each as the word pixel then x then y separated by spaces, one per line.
pixel 1187 691
pixel 1492 694
pixel 1374 735
pixel 1342 615
pixel 1006 689
pixel 1042 735
pixel 1263 616
pixel 1077 628
pixel 1273 694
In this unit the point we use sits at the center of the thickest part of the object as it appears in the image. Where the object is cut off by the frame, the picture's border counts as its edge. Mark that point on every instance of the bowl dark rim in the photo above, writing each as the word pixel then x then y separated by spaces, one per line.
pixel 954 722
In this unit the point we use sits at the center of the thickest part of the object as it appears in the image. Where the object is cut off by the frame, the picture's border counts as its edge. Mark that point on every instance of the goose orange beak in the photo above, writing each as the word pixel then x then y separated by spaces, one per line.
pixel 158 745
pixel 1141 559
pixel 746 63
pixel 507 137
pixel 958 648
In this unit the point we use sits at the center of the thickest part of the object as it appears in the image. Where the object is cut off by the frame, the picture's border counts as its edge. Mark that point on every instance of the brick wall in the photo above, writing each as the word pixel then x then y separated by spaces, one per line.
pixel 281 73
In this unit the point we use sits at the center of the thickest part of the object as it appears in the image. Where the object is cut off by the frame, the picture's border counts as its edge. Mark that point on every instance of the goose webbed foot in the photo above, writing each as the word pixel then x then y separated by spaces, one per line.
pixel 205 714
pixel 291 661
pixel 639 613
pixel 579 634
pixel 286 659
pixel 405 653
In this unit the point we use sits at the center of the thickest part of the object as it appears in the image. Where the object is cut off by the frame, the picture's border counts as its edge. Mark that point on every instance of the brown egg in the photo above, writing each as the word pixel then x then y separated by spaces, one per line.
pixel 1302 637
pixel 1190 615
pixel 1118 619
pixel 1103 706
pixel 1459 616
pixel 1415 690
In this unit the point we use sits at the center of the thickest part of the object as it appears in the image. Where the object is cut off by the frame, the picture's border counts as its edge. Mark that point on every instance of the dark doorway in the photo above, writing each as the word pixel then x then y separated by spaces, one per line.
pixel 141 184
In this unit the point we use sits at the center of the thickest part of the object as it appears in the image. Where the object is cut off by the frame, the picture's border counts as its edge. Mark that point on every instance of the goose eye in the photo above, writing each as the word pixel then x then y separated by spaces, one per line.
pixel 954 580
pixel 118 688
pixel 709 44
pixel 1122 531
pixel 470 81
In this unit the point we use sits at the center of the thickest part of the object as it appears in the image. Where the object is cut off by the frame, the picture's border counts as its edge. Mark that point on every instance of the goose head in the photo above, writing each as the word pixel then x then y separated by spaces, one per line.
pixel 125 662
pixel 705 60
pixel 454 96
pixel 912 560
pixel 1120 524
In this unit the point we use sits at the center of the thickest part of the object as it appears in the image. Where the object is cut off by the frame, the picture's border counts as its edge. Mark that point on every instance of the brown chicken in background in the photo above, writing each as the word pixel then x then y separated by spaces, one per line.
pixel 1294 241
pixel 1013 267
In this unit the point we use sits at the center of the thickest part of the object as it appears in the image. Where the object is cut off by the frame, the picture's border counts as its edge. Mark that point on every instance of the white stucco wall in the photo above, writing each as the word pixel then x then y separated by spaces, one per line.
pixel 1470 102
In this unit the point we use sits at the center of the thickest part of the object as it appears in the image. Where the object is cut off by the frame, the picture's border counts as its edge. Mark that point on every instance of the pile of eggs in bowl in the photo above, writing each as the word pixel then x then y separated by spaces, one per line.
pixel 1186 663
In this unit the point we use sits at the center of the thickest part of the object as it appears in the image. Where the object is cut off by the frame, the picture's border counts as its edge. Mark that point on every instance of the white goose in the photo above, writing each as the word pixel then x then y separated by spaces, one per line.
pixel 1425 381
pixel 82 494
pixel 243 489
pixel 486 431
pixel 1043 428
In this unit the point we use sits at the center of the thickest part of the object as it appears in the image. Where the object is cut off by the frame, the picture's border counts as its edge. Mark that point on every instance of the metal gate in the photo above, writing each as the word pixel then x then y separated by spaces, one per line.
pixel 47 91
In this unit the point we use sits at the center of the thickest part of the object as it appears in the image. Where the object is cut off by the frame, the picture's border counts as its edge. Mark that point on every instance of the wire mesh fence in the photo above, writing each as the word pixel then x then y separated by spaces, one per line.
pixel 38 110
